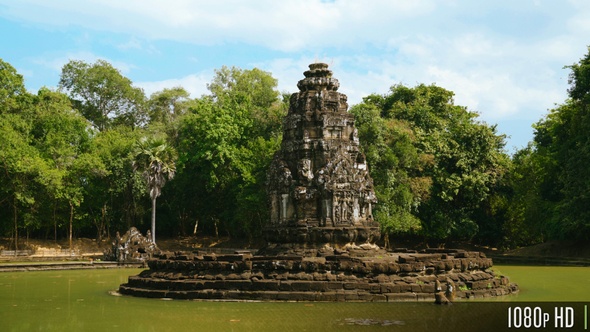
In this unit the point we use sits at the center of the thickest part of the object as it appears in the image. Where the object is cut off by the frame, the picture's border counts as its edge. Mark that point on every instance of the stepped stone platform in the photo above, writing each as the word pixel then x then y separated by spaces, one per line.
pixel 321 233
pixel 356 273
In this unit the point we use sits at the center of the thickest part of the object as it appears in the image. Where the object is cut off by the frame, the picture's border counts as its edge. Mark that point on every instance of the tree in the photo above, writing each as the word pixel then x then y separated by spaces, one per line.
pixel 225 142
pixel 156 159
pixel 57 174
pixel 166 105
pixel 11 87
pixel 254 91
pixel 63 137
pixel 102 94
pixel 117 195
pixel 20 168
pixel 561 152
pixel 209 143
pixel 390 148
pixel 579 80
pixel 20 163
pixel 528 214
pixel 442 162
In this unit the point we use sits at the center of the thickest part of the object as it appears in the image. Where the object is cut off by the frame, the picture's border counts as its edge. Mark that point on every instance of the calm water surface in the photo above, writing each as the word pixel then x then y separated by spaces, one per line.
pixel 79 300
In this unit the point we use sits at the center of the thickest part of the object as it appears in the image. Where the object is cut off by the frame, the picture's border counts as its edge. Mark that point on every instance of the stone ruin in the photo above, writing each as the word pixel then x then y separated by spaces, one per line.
pixel 131 247
pixel 320 190
pixel 321 233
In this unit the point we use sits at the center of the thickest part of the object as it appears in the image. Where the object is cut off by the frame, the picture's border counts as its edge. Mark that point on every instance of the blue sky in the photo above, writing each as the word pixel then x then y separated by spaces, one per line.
pixel 503 59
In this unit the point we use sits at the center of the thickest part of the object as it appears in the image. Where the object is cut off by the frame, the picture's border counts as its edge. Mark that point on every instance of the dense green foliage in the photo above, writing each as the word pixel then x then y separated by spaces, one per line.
pixel 432 162
pixel 91 158
pixel 226 142
pixel 102 94
pixel 88 160
pixel 552 178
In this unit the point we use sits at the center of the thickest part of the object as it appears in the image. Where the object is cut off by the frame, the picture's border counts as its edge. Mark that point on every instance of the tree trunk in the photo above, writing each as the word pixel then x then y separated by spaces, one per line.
pixel 15 227
pixel 54 222
pixel 100 228
pixel 216 224
pixel 71 223
pixel 154 220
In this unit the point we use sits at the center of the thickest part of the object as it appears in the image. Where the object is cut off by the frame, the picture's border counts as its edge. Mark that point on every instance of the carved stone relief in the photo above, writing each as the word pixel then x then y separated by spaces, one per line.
pixel 319 178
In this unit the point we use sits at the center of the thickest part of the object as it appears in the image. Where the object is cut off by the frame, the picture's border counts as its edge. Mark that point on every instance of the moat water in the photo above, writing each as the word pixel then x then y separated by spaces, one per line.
pixel 82 300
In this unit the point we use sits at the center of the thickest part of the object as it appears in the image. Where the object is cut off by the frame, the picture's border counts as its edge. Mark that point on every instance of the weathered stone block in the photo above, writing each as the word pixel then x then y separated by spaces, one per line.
pixel 241 285
pixel 301 286
pixel 353 296
pixel 405 267
pixel 334 285
pixel 406 259
pixel 366 297
pixel 397 297
pixel 265 285
pixel 427 288
pixel 404 288
pixel 210 257
pixel 416 288
pixel 392 268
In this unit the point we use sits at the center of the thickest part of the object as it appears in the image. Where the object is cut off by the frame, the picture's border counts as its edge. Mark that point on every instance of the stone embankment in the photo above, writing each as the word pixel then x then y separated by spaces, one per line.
pixel 73 265
pixel 50 259
pixel 541 260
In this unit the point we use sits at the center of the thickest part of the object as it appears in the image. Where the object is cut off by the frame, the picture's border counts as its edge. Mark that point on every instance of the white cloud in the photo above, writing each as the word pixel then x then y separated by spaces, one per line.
pixel 502 58
pixel 57 63
pixel 287 25
pixel 194 84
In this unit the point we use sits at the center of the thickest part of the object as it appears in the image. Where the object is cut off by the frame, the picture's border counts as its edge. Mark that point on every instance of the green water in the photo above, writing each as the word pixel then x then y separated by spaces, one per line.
pixel 548 283
pixel 79 300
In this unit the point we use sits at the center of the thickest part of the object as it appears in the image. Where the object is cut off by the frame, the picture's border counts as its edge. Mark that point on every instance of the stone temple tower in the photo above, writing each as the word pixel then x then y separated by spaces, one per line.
pixel 319 187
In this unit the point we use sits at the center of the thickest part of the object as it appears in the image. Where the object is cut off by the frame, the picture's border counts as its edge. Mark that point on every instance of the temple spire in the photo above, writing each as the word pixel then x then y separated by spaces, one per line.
pixel 319 188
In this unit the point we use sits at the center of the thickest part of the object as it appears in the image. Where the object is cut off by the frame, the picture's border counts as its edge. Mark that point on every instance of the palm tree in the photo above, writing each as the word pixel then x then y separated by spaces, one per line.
pixel 156 160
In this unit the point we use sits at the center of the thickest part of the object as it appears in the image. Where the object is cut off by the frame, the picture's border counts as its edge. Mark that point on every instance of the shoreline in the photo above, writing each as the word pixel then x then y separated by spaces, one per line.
pixel 72 265
pixel 82 262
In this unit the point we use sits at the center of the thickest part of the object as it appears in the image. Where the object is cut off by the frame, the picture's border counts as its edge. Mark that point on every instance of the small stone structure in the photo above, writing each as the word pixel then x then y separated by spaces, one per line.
pixel 131 247
pixel 321 234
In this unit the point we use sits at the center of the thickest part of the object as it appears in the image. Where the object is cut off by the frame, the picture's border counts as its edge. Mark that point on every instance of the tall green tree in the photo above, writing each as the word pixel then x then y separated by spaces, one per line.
pixel 103 94
pixel 63 137
pixel 21 167
pixel 579 80
pixel 391 149
pixel 254 91
pixel 20 163
pixel 209 142
pixel 526 221
pixel 11 87
pixel 561 150
pixel 156 159
pixel 225 144
pixel 444 163
pixel 116 202
pixel 166 105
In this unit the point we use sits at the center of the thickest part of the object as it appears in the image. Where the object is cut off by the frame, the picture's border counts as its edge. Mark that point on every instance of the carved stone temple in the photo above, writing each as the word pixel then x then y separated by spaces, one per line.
pixel 320 190
pixel 321 233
